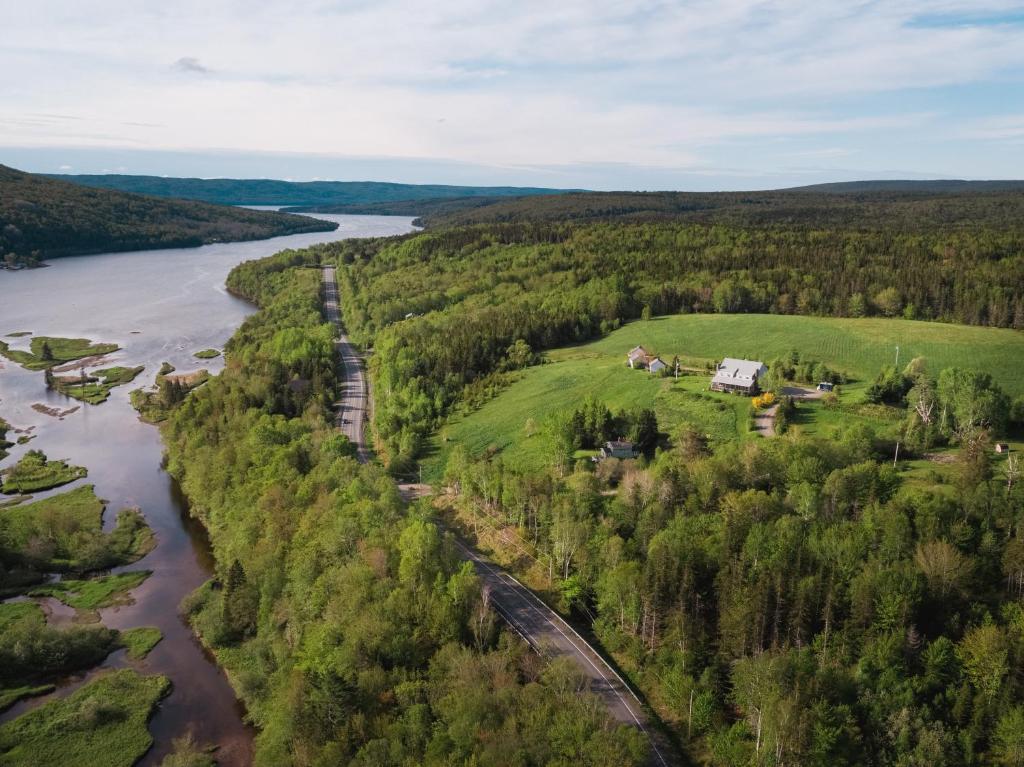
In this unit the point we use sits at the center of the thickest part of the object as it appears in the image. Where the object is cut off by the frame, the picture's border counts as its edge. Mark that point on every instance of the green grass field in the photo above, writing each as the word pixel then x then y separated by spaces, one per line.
pixel 857 347
pixel 103 724
pixel 513 422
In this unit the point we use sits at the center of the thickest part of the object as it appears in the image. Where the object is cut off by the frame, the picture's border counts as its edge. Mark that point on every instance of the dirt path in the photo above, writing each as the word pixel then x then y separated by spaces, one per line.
pixel 764 422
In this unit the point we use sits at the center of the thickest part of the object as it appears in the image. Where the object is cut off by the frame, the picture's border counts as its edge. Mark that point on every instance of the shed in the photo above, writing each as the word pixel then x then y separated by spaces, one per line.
pixel 618 448
pixel 637 357
pixel 656 365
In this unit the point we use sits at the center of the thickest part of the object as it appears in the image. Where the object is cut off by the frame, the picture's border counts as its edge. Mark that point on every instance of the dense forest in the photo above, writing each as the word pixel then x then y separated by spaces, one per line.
pixel 44 218
pixel 789 601
pixel 344 619
pixel 234 191
pixel 784 602
pixel 442 309
pixel 894 209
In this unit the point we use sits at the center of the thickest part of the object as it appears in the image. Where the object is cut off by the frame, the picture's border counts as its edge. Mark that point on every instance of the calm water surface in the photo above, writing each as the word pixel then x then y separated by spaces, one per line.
pixel 156 305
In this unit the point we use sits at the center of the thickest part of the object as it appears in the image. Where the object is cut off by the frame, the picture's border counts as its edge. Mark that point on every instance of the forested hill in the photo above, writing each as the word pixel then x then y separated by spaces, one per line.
pixel 233 191
pixel 940 186
pixel 44 218
pixel 905 211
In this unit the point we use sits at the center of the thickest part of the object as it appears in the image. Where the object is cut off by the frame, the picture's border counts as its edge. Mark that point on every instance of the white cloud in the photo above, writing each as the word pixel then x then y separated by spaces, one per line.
pixel 647 82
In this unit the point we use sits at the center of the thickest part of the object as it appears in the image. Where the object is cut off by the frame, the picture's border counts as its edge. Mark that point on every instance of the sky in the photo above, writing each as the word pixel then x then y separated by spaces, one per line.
pixel 630 94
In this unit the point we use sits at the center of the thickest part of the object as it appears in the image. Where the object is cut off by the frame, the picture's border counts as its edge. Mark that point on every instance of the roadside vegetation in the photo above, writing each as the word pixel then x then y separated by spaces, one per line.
pixel 387 651
pixel 103 724
pixel 34 472
pixel 46 352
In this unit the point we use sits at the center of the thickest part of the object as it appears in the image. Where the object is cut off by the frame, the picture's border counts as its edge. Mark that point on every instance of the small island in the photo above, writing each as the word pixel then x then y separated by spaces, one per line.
pixel 34 473
pixel 207 354
pixel 46 352
pixel 93 388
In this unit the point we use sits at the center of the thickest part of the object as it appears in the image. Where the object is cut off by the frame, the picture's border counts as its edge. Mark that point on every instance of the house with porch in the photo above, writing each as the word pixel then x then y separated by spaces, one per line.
pixel 738 376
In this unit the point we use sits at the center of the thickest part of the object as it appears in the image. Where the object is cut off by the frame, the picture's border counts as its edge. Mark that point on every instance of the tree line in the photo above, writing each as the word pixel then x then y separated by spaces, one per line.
pixel 442 308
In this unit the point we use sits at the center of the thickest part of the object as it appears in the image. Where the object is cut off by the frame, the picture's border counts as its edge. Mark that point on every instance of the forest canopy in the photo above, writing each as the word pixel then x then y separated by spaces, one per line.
pixel 44 218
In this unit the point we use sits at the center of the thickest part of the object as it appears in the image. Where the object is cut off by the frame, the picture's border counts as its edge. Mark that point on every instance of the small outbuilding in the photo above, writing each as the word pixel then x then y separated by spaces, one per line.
pixel 738 376
pixel 617 448
pixel 637 357
pixel 1002 447
pixel 656 365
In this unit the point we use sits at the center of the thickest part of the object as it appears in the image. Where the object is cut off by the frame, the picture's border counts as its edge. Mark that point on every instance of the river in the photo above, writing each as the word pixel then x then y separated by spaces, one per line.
pixel 159 305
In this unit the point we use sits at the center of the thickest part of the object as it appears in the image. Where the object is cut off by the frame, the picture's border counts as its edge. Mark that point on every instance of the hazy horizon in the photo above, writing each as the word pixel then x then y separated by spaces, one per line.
pixel 640 95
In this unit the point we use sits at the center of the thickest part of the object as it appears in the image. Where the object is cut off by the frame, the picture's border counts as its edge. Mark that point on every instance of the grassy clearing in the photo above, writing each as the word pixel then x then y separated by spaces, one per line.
pixel 93 593
pixel 13 613
pixel 102 725
pixel 207 354
pixel 95 388
pixel 512 423
pixel 858 348
pixel 34 473
pixel 139 641
pixel 48 351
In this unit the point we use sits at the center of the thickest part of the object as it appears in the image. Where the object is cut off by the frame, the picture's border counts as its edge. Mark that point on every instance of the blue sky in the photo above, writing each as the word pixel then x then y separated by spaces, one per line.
pixel 634 94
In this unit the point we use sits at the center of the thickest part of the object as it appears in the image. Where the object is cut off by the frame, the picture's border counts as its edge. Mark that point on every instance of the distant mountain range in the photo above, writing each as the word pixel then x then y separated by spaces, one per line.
pixel 230 191
pixel 43 217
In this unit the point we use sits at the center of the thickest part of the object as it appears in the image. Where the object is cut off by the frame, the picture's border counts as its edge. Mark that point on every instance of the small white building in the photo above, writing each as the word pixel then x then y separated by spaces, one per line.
pixel 637 358
pixel 656 365
pixel 738 376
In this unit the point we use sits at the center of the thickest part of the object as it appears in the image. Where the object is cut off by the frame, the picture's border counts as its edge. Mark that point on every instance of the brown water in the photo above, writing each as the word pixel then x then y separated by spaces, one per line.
pixel 157 305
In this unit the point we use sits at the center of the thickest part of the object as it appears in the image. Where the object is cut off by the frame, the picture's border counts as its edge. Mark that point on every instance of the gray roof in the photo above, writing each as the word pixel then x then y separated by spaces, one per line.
pixel 738 372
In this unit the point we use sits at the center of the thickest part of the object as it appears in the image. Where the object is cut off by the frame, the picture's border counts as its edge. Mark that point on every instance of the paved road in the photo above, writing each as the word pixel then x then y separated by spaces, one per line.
pixel 540 626
pixel 551 636
pixel 350 409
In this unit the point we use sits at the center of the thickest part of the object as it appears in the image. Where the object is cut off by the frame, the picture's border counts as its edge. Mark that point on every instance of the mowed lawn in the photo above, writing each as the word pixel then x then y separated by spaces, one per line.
pixel 513 423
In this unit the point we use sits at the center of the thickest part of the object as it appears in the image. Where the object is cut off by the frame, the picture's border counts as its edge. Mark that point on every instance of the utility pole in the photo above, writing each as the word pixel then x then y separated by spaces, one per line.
pixel 897 455
pixel 897 358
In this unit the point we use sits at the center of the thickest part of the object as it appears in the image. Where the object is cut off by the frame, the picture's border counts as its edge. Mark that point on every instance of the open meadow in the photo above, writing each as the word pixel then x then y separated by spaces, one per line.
pixel 513 422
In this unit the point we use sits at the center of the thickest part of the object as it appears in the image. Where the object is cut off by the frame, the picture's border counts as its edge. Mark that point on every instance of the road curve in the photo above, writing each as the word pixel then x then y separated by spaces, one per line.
pixel 551 636
pixel 536 623
pixel 350 408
